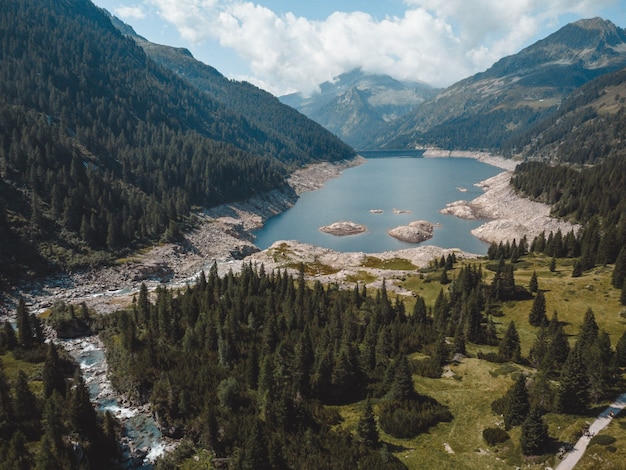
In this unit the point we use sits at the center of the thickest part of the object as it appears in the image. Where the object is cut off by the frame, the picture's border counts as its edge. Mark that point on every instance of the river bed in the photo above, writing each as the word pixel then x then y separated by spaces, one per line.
pixel 142 441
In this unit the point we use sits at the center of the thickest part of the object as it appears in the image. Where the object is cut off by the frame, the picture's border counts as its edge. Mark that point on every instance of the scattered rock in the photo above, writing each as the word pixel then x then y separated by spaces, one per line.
pixel 461 209
pixel 343 228
pixel 416 232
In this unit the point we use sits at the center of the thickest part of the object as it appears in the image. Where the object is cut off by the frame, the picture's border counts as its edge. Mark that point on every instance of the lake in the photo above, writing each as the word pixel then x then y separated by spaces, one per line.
pixel 422 186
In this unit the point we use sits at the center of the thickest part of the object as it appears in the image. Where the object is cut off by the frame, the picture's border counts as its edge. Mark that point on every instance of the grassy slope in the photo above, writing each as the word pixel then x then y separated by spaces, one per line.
pixel 477 383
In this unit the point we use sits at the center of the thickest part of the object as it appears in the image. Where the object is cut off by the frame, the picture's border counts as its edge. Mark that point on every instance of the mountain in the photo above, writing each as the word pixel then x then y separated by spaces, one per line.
pixel 357 105
pixel 589 126
pixel 483 111
pixel 259 107
pixel 102 149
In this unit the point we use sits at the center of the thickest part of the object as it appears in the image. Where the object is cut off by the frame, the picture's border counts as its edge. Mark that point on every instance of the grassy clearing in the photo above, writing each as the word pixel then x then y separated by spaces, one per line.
pixel 474 384
pixel 361 276
pixel 395 264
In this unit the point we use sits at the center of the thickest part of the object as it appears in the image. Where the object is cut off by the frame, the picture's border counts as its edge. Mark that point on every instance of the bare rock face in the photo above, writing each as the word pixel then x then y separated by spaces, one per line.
pixel 416 232
pixel 343 228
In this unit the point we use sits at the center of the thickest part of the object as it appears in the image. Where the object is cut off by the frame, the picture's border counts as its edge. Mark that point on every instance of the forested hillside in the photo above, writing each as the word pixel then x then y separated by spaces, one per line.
pixel 101 148
pixel 485 110
pixel 302 136
pixel 589 129
pixel 589 126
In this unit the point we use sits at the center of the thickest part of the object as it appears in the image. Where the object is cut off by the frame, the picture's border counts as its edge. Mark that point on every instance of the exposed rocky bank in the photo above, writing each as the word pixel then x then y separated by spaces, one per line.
pixel 223 235
pixel 511 216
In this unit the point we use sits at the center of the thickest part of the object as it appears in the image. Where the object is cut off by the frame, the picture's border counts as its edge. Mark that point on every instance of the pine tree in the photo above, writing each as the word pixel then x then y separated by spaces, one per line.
pixel 366 428
pixel 588 329
pixel 553 264
pixel 533 285
pixel 24 328
pixel 573 395
pixel 517 403
pixel 10 338
pixel 53 379
pixel 255 452
pixel 537 316
pixel 402 388
pixel 24 403
pixel 559 349
pixel 17 455
pixel 509 348
pixel 619 271
pixel 82 413
pixel 577 270
pixel 534 437
pixel 620 351
pixel 444 277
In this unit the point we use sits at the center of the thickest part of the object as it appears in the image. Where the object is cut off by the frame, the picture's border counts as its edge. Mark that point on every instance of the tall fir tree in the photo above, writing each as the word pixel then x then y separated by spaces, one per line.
pixel 509 347
pixel 573 394
pixel 24 328
pixel 537 316
pixel 366 428
pixel 534 437
pixel 619 270
pixel 533 284
pixel 517 403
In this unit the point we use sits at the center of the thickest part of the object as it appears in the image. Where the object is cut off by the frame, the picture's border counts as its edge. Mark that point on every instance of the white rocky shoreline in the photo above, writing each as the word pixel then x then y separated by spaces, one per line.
pixel 223 235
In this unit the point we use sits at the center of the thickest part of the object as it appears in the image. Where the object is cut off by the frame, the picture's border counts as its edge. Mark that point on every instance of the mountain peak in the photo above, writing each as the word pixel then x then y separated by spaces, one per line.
pixel 597 23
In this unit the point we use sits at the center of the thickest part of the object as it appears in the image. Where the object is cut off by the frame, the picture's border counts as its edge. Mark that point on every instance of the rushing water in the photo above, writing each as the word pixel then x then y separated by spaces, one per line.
pixel 140 429
pixel 422 186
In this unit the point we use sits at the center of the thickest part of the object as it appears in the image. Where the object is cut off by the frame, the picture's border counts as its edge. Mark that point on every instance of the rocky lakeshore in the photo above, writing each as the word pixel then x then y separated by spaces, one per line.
pixel 223 235
pixel 512 217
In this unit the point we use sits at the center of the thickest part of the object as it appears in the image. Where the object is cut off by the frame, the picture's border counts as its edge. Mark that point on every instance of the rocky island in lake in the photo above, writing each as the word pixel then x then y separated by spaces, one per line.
pixel 416 232
pixel 343 228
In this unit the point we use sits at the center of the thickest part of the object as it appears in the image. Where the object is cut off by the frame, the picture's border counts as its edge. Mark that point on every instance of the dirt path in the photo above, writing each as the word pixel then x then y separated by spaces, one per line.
pixel 572 457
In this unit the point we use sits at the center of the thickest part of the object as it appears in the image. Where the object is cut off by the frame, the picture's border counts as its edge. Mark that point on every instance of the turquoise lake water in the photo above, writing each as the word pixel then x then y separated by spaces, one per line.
pixel 420 185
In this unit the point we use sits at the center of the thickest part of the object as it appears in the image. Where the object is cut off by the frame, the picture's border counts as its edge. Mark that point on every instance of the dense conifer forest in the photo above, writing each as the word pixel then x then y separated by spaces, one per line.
pixel 101 149
pixel 264 352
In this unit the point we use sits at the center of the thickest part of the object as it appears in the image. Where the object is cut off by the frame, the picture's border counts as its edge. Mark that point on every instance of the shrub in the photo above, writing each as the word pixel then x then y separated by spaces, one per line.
pixel 427 368
pixel 498 406
pixel 492 357
pixel 602 440
pixel 405 419
pixel 495 436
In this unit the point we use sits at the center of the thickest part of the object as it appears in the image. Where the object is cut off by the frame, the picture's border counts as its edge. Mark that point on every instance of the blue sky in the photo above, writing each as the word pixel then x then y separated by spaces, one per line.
pixel 286 45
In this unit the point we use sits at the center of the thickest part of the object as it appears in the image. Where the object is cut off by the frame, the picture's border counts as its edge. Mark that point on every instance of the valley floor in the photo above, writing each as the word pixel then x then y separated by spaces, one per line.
pixel 223 235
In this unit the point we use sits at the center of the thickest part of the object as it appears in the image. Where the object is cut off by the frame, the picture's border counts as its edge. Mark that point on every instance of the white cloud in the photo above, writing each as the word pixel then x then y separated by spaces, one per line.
pixel 126 13
pixel 436 41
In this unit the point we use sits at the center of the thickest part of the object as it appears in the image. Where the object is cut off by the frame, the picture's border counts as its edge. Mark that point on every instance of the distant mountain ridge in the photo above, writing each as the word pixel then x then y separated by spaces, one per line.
pixel 486 109
pixel 357 105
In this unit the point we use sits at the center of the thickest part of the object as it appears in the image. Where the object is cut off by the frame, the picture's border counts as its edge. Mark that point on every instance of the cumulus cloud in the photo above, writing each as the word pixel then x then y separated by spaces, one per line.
pixel 130 13
pixel 435 41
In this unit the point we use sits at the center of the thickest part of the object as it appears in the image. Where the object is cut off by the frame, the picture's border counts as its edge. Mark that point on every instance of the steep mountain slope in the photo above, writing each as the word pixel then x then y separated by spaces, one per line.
pixel 589 126
pixel 485 110
pixel 259 107
pixel 101 148
pixel 358 105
